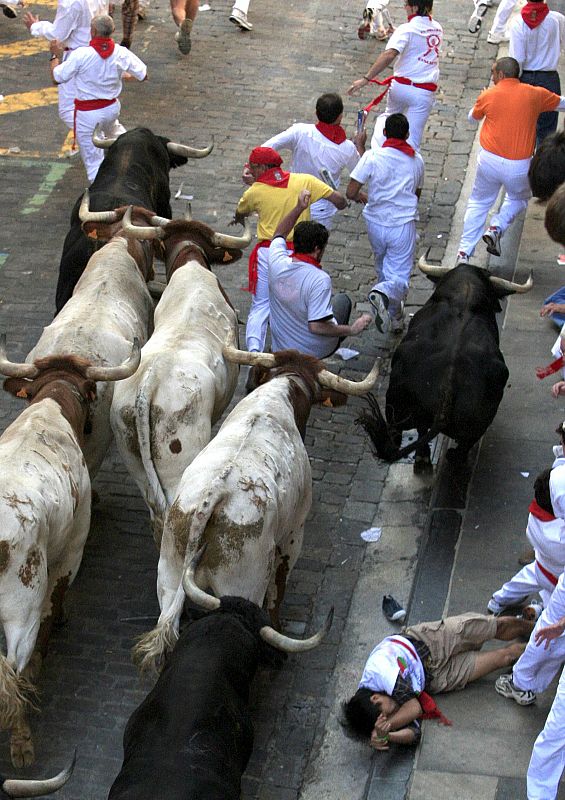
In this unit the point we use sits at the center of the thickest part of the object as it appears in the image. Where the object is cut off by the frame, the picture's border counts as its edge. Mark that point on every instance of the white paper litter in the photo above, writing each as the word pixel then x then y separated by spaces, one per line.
pixel 372 534
pixel 346 353
pixel 525 474
pixel 205 7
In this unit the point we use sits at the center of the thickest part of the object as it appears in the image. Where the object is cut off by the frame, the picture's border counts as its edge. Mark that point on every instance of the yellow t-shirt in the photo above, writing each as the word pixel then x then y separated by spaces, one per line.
pixel 272 203
pixel 511 110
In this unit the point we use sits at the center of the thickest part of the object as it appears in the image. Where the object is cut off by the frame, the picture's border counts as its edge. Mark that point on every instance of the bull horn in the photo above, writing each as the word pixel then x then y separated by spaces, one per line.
pixel 289 645
pixel 129 366
pixel 11 369
pixel 510 286
pixel 431 269
pixel 354 388
pixel 238 242
pixel 25 788
pixel 189 152
pixel 192 591
pixel 236 356
pixel 86 215
pixel 101 141
pixel 154 231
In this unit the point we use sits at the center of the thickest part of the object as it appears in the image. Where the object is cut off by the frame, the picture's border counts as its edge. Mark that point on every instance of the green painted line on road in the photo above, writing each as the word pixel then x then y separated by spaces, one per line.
pixel 3 257
pixel 56 172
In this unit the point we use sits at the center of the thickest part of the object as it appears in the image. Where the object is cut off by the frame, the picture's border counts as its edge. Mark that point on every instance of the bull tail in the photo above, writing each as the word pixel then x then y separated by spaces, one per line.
pixel 150 650
pixel 17 694
pixel 155 494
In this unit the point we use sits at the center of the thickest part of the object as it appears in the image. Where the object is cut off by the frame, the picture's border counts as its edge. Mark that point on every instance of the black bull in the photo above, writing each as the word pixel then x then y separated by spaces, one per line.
pixel 448 374
pixel 135 171
pixel 192 736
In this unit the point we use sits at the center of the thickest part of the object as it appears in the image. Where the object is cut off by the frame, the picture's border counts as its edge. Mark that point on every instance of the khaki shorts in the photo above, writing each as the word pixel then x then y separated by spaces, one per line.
pixel 453 644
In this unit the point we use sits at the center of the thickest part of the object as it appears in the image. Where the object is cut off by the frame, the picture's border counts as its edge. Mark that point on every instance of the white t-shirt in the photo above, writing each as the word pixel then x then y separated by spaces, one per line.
pixel 299 293
pixel 418 43
pixel 548 541
pixel 98 78
pixel 71 25
pixel 386 661
pixel 557 487
pixel 311 151
pixel 538 48
pixel 392 178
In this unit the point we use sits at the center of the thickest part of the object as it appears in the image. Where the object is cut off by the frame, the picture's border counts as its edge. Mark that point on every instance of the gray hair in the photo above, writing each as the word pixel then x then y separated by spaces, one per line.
pixel 508 66
pixel 103 25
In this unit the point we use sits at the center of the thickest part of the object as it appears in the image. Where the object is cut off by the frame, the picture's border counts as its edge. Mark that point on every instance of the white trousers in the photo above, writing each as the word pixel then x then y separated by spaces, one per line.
pixel 91 155
pixel 415 104
pixel 394 256
pixel 503 12
pixel 548 756
pixel 258 317
pixel 494 173
pixel 537 667
pixel 242 5
pixel 324 217
pixel 67 94
pixel 527 581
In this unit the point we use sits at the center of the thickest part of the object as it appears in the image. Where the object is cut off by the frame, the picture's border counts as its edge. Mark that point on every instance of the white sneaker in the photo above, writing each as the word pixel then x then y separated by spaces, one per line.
pixel 379 302
pixel 239 18
pixel 461 258
pixel 497 38
pixel 532 612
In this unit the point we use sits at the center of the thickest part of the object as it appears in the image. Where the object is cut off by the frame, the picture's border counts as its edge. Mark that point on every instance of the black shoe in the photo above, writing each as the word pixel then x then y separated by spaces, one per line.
pixel 392 609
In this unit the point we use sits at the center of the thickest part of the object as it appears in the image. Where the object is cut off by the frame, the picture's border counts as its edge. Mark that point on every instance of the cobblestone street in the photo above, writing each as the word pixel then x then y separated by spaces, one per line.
pixel 239 88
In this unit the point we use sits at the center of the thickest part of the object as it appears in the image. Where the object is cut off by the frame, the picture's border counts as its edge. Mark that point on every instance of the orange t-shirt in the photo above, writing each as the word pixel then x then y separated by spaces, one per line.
pixel 511 110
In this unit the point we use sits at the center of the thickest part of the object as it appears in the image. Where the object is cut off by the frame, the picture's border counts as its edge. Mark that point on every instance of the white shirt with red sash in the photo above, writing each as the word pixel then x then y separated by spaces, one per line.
pixel 418 42
pixel 71 25
pixel 546 534
pixel 99 78
pixel 538 46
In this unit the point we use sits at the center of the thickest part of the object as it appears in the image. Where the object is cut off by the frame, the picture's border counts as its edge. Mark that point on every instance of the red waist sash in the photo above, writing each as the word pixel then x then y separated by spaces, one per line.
pixel 253 268
pixel 546 573
pixel 87 105
pixel 429 87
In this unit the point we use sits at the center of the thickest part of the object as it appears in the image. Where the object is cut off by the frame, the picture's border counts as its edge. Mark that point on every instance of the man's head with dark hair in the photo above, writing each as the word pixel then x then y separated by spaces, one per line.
pixel 329 107
pixel 396 127
pixel 506 67
pixel 541 491
pixel 361 711
pixel 308 236
pixel 547 168
pixel 423 7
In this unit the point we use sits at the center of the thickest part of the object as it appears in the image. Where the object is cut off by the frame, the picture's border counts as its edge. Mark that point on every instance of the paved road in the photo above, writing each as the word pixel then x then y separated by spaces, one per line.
pixel 240 88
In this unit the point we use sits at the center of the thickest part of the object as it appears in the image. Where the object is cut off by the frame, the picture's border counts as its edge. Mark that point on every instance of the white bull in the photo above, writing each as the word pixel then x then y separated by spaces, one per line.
pixel 44 518
pixel 245 496
pixel 110 307
pixel 163 415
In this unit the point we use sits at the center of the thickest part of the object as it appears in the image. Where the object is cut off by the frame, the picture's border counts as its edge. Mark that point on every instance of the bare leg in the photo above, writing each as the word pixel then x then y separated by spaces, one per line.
pixel 496 659
pixel 508 628
pixel 184 14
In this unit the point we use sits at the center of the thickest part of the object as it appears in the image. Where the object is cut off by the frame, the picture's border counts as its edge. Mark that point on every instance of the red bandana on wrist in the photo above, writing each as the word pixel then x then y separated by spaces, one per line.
pixel 400 144
pixel 307 259
pixel 534 14
pixel 335 133
pixel 275 177
pixel 103 45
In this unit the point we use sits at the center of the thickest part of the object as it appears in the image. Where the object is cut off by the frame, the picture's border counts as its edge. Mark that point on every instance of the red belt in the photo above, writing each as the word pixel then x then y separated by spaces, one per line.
pixel 429 87
pixel 253 270
pixel 87 105
pixel 547 574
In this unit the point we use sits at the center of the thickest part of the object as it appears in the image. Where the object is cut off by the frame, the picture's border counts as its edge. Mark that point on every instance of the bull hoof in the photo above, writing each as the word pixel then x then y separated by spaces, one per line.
pixel 423 466
pixel 21 750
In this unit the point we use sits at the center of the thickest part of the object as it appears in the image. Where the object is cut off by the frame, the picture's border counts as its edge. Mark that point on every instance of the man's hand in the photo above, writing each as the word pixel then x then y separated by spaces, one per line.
pixel 304 198
pixel 552 308
pixel 247 176
pixel 360 140
pixel 29 19
pixel 379 736
pixel 356 86
pixel 549 633
pixel 558 389
pixel 362 197
pixel 56 49
pixel 359 325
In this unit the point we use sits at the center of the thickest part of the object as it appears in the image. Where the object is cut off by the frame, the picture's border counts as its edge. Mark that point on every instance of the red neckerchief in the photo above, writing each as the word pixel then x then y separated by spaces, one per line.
pixel 103 45
pixel 540 513
pixel 429 705
pixel 555 366
pixel 275 177
pixel 534 14
pixel 335 133
pixel 400 144
pixel 411 16
pixel 307 259
pixel 253 266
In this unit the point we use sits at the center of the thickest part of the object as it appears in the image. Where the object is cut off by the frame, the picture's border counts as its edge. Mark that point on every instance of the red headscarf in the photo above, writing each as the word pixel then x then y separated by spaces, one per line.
pixel 265 155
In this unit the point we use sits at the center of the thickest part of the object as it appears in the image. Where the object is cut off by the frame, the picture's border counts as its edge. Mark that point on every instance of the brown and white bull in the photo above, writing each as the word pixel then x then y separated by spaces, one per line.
pixel 246 495
pixel 44 517
pixel 163 415
pixel 110 307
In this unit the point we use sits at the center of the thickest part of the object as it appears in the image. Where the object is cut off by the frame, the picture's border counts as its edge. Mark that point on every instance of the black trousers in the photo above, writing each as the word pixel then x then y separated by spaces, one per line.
pixel 547 122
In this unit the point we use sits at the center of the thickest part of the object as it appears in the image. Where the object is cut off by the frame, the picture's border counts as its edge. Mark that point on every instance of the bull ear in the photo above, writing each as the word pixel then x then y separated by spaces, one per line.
pixel 19 387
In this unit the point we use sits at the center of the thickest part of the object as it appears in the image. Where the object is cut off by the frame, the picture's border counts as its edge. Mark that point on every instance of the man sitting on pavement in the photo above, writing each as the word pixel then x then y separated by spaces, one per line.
pixel 510 110
pixel 434 657
pixel 322 146
pixel 394 174
pixel 303 316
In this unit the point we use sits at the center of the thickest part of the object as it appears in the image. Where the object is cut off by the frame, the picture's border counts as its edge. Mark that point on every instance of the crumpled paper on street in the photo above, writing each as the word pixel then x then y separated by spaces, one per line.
pixel 372 534
pixel 346 353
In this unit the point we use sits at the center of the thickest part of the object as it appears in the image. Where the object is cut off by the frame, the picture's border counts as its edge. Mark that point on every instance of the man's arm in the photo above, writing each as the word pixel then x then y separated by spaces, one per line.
pixel 517 46
pixel 383 61
pixel 338 200
pixel 327 328
pixel 353 189
pixel 65 22
pixel 286 140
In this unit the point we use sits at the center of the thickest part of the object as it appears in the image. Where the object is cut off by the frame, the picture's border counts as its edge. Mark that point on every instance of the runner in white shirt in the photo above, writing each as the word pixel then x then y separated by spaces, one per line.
pixel 497 33
pixel 97 71
pixel 321 146
pixel 394 174
pixel 536 40
pixel 416 46
pixel 71 29
pixel 302 315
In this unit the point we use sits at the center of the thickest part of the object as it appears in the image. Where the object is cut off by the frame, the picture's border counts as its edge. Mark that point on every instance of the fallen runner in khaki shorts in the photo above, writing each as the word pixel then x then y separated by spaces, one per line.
pixel 440 656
